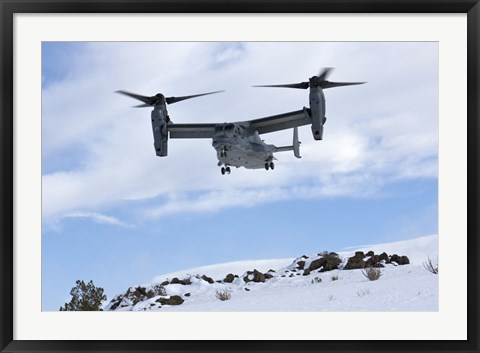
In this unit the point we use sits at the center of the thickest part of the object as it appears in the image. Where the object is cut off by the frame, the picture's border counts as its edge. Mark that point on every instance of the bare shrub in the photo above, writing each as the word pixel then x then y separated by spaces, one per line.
pixel 223 295
pixel 430 267
pixel 334 278
pixel 316 280
pixel 372 273
pixel 330 298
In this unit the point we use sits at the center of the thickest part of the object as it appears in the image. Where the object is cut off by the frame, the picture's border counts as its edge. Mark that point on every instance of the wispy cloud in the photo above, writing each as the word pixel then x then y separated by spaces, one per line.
pixel 97 218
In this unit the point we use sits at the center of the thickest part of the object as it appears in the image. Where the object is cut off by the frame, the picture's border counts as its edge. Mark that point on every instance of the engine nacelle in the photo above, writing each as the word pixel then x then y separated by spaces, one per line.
pixel 317 111
pixel 160 131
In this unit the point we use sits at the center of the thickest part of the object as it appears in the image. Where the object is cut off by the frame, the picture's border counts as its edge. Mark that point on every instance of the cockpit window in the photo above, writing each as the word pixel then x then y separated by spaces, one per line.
pixel 226 128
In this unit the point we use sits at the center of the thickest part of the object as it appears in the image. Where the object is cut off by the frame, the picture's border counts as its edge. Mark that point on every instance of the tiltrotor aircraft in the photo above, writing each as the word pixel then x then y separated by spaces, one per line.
pixel 239 144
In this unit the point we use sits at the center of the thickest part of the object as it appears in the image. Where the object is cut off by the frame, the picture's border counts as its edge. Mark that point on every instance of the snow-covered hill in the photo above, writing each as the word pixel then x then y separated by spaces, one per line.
pixel 302 284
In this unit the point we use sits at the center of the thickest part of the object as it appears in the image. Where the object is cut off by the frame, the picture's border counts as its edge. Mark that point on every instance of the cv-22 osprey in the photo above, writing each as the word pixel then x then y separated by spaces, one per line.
pixel 238 144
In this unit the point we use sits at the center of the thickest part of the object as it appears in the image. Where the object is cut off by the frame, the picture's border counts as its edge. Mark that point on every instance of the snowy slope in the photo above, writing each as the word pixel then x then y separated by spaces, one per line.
pixel 218 271
pixel 400 288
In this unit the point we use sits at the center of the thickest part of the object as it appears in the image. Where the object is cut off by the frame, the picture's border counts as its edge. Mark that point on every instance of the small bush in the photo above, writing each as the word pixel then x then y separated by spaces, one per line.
pixel 330 298
pixel 430 267
pixel 316 280
pixel 334 278
pixel 372 273
pixel 223 295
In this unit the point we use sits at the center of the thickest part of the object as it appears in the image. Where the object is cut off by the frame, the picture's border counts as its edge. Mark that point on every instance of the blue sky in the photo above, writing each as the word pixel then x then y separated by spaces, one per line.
pixel 115 213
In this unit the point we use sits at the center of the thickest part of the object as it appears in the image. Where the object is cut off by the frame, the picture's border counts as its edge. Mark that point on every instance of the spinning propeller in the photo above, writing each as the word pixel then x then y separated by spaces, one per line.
pixel 159 98
pixel 316 81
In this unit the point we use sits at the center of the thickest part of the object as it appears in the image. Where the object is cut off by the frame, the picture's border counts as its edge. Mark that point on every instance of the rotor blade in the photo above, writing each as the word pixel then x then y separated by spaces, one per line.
pixel 328 84
pixel 301 85
pixel 323 75
pixel 144 99
pixel 142 105
pixel 171 100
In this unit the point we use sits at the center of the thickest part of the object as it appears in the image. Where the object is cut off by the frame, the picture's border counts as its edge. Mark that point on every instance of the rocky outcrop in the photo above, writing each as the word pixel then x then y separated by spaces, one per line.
pixel 153 297
pixel 361 260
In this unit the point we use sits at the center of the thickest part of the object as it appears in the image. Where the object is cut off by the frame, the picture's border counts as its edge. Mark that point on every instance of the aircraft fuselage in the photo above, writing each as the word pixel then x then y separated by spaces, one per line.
pixel 237 146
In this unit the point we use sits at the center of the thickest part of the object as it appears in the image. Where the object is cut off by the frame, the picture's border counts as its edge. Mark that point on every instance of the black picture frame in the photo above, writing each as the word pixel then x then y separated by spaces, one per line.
pixel 7 10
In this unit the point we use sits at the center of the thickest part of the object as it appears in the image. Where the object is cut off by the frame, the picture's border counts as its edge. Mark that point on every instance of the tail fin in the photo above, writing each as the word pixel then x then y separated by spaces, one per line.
pixel 295 147
pixel 296 143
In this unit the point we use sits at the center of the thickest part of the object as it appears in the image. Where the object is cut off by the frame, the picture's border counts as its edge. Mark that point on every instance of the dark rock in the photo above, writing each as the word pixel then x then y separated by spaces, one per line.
pixel 183 282
pixel 165 283
pixel 401 260
pixel 301 264
pixel 370 253
pixel 271 270
pixel 258 276
pixel 140 291
pixel 268 276
pixel 396 258
pixel 316 264
pixel 173 300
pixel 355 261
pixel 306 272
pixel 229 278
pixel 187 294
pixel 208 279
pixel 115 305
pixel 374 261
pixel 384 257
pixel 247 289
pixel 332 261
pixel 328 262
pixel 304 257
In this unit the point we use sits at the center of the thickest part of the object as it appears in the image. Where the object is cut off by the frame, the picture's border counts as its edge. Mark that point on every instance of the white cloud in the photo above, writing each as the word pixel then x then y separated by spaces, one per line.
pixel 384 131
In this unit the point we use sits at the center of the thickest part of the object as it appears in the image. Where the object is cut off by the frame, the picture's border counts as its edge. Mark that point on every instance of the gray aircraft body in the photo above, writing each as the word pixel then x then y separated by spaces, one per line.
pixel 239 144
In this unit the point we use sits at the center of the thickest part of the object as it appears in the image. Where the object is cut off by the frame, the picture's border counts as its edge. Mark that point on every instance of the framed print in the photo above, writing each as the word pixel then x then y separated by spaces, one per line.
pixel 263 176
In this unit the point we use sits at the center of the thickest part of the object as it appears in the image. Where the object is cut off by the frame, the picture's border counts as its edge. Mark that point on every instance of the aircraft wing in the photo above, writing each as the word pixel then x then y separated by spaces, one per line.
pixel 183 131
pixel 281 121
